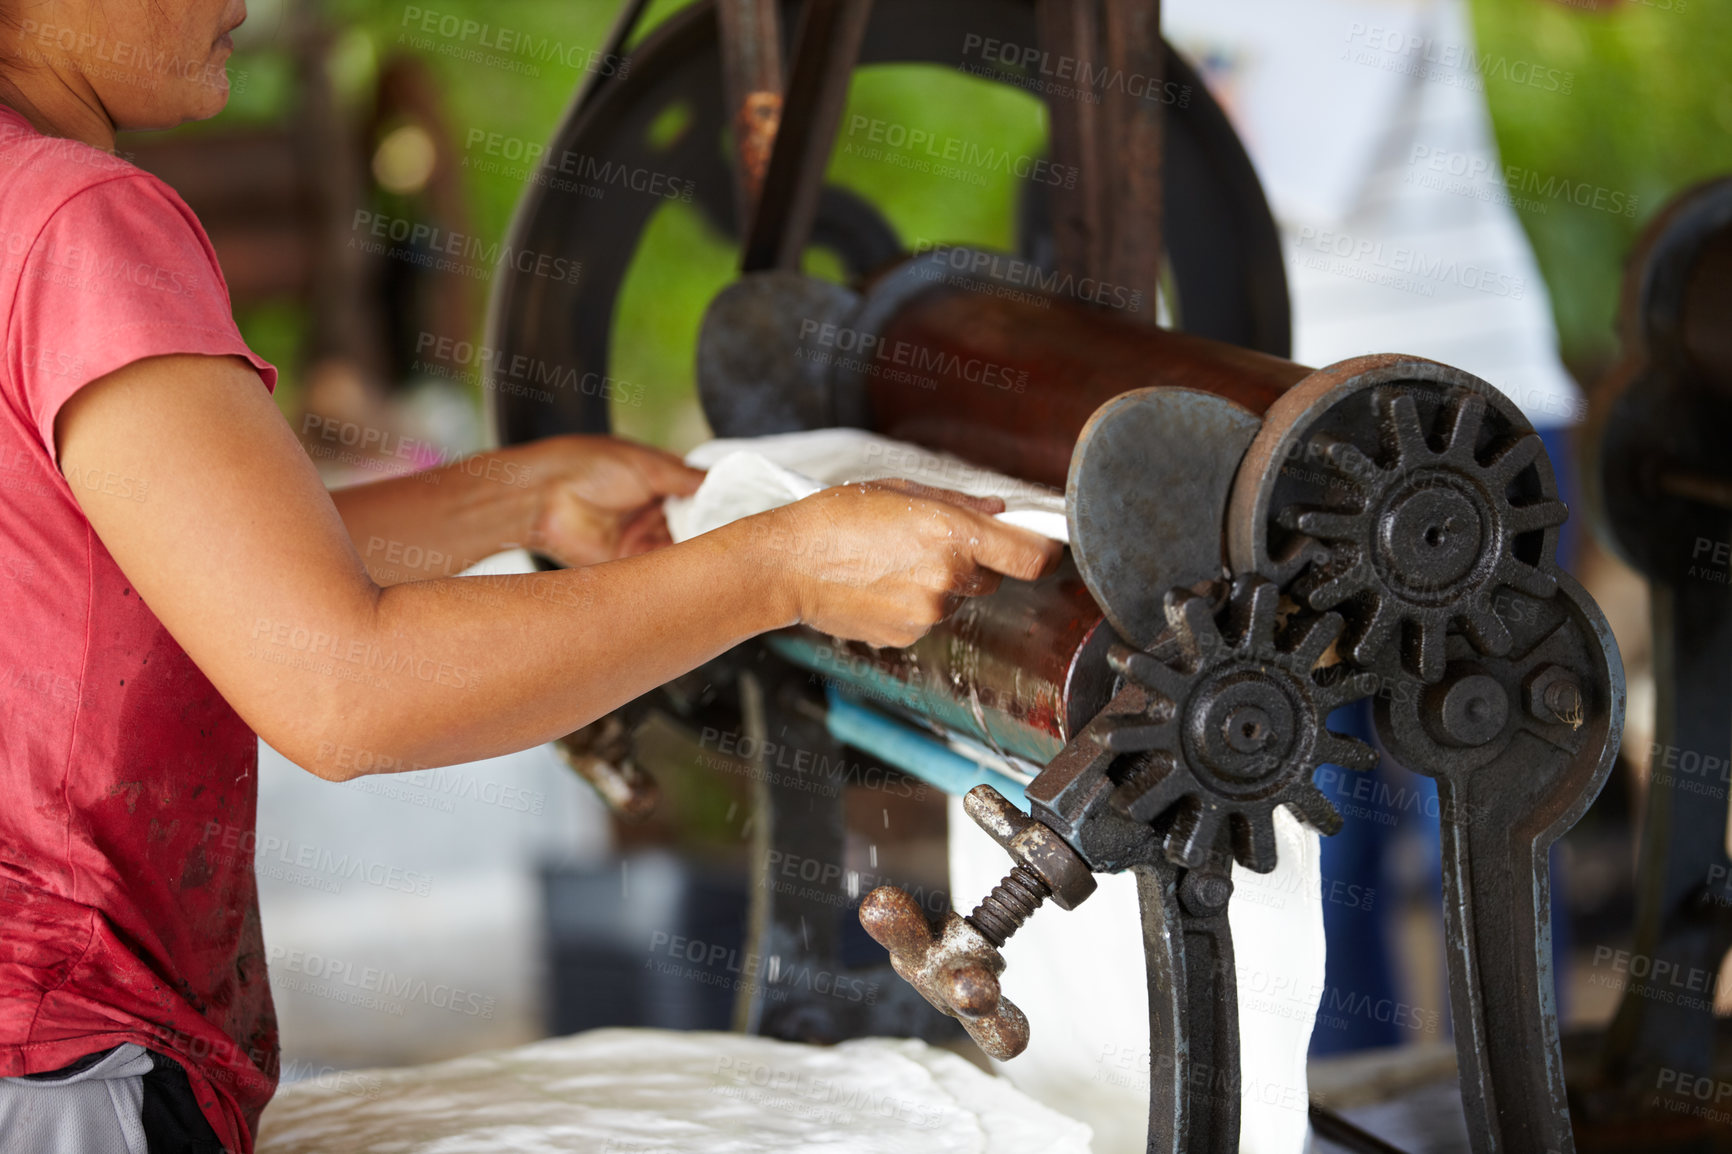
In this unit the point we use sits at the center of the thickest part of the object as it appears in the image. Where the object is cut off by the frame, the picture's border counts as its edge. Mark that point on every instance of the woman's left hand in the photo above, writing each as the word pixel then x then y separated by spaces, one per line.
pixel 600 498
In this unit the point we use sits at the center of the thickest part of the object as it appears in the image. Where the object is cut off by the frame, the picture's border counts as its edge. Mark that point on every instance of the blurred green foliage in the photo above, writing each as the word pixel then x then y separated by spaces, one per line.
pixel 526 104
pixel 683 262
pixel 1650 112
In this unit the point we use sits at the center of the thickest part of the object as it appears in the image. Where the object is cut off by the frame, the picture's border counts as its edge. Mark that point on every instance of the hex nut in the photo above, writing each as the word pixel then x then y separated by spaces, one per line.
pixel 1553 695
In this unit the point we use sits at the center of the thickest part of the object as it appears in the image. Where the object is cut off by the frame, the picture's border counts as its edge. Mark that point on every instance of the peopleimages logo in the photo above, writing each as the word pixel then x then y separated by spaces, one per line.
pixel 496 369
pixel 803 766
pixel 100 57
pixel 1398 266
pixel 1055 74
pixel 361 654
pixel 370 987
pixel 1473 176
pixel 516 156
pixel 830 1101
pixel 499 46
pixel 715 964
pixel 1459 65
pixel 864 351
pixel 922 147
pixel 232 843
pixel 437 248
pixel 997 270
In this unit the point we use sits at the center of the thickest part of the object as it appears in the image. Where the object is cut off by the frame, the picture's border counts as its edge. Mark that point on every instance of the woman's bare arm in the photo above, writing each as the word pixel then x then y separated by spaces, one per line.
pixel 577 499
pixel 436 523
pixel 242 555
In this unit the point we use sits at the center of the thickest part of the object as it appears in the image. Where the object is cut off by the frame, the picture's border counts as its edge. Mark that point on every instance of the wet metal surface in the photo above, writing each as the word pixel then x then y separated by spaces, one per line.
pixel 1020 671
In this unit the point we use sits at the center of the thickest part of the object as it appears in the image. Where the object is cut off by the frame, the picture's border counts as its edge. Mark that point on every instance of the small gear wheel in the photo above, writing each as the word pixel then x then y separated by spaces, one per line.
pixel 1428 533
pixel 1234 725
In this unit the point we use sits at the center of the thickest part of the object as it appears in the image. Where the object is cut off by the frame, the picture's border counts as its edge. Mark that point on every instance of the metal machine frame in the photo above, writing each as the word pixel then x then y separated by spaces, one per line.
pixel 1254 542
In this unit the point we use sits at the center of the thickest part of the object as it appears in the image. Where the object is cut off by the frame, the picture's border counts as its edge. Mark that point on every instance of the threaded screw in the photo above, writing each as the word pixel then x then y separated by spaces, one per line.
pixel 1002 912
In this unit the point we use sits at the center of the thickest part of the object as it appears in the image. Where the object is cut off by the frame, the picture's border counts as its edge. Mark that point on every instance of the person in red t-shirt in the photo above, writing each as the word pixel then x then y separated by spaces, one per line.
pixel 175 580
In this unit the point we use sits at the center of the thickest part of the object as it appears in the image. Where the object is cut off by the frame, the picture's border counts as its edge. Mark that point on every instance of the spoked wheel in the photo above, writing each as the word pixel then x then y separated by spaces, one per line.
pixel 639 143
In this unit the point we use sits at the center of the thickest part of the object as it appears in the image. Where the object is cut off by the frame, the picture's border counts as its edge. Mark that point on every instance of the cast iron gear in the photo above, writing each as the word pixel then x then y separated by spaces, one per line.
pixel 1427 534
pixel 1234 725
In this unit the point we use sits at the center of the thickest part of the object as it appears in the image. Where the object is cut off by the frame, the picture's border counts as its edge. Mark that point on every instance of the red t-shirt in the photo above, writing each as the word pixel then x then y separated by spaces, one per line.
pixel 126 779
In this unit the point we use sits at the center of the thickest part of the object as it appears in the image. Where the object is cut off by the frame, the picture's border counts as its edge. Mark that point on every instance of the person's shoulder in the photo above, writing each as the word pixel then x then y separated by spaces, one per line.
pixel 49 173
pixel 53 168
pixel 67 209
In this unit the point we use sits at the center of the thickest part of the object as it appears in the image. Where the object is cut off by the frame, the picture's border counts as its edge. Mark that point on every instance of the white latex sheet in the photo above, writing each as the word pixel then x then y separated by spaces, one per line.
pixel 629 1091
pixel 754 474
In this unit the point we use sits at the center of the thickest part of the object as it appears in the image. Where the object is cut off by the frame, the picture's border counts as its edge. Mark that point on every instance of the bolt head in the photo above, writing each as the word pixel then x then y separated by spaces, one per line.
pixel 1554 695
pixel 1472 711
pixel 1205 894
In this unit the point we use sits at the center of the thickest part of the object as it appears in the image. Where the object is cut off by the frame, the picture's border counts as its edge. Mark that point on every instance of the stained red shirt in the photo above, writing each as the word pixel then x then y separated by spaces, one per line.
pixel 123 773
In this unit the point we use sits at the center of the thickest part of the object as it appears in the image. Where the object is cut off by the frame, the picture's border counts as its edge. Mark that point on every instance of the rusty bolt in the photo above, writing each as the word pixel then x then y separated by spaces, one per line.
pixel 1554 696
pixel 755 126
pixel 955 969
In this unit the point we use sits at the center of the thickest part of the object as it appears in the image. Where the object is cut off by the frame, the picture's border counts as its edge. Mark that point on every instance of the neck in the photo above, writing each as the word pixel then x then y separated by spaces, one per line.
pixel 56 107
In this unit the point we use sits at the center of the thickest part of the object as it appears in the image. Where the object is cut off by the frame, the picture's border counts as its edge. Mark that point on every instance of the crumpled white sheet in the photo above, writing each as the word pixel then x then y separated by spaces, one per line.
pixel 754 474
pixel 636 1091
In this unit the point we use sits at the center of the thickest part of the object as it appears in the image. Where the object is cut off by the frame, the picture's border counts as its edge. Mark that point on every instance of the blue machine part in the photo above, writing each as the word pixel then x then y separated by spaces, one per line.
pixel 913 752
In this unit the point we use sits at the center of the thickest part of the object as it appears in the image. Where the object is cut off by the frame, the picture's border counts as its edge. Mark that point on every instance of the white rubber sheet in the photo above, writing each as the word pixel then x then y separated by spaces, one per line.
pixel 753 474
pixel 667 1092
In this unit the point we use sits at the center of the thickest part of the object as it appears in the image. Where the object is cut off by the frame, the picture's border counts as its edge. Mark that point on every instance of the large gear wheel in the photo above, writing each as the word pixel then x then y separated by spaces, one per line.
pixel 1433 537
pixel 1233 726
pixel 1404 497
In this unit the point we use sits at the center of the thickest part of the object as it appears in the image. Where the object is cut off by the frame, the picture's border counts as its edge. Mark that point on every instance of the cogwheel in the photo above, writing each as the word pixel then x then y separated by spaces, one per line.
pixel 1234 725
pixel 1427 535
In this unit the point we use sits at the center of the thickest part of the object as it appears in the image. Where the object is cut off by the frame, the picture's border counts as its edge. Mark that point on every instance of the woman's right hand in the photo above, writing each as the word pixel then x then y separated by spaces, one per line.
pixel 885 561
